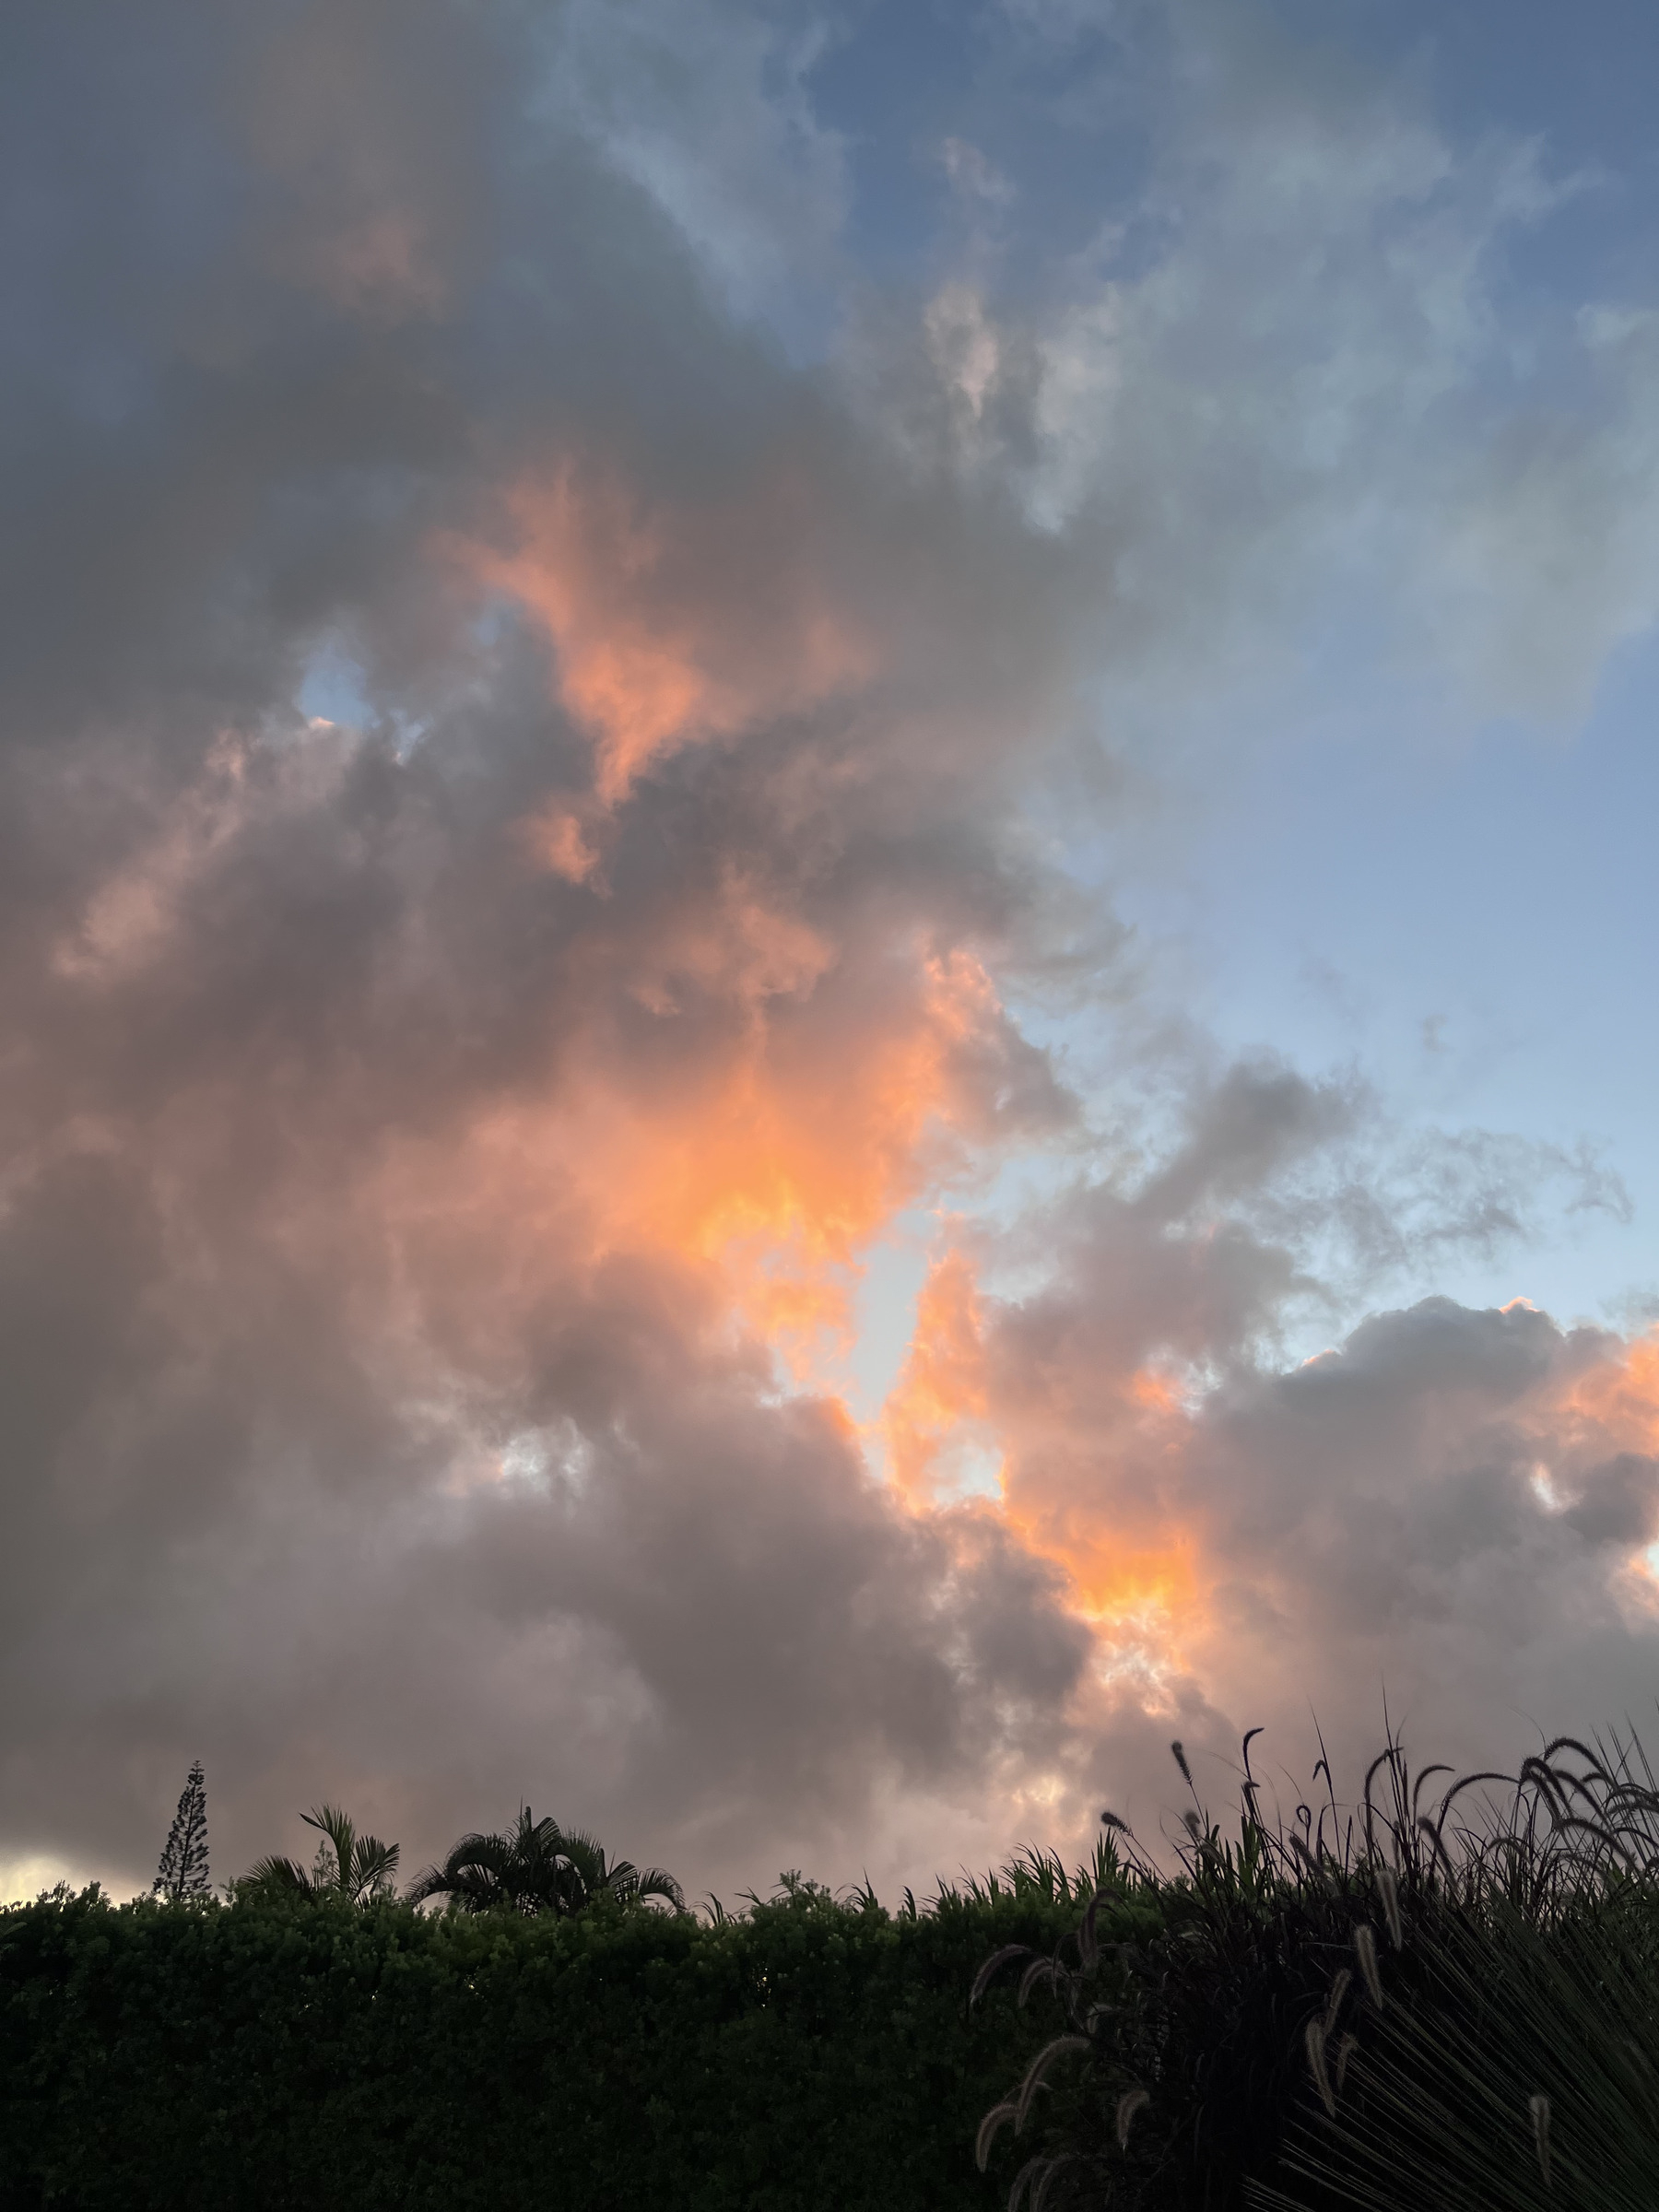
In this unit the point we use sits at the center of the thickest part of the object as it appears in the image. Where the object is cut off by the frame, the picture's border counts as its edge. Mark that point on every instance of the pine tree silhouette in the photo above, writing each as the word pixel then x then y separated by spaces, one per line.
pixel 183 1870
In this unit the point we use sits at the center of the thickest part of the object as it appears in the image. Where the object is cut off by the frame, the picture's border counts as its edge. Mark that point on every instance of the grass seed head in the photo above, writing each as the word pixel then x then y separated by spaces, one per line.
pixel 1315 2039
pixel 988 2128
pixel 1128 2105
pixel 1049 2176
pixel 1039 1972
pixel 1388 1889
pixel 1365 1951
pixel 992 1967
pixel 1537 2105
pixel 1024 2178
pixel 1061 2047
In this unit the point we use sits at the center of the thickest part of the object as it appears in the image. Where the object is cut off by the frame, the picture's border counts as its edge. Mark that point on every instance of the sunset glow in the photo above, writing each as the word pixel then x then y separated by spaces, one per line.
pixel 815 881
pixel 668 628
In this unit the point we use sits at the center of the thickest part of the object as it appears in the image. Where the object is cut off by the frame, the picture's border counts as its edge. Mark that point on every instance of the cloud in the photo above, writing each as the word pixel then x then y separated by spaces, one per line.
pixel 1403 438
pixel 1449 1510
pixel 439 1148
pixel 390 1209
pixel 972 175
pixel 708 108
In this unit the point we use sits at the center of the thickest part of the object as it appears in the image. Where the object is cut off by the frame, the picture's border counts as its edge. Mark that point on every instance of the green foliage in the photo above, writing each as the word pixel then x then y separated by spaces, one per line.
pixel 1445 2001
pixel 358 1868
pixel 537 1866
pixel 284 2050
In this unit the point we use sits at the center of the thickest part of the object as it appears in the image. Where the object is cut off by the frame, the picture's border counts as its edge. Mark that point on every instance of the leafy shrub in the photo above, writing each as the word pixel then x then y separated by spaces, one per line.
pixel 281 2051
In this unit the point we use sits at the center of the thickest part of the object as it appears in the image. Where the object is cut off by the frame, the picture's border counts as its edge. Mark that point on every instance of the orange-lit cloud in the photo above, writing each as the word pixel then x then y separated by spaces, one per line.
pixel 671 625
pixel 779 1157
pixel 940 1399
pixel 438 1156
pixel 1614 1404
pixel 1136 1581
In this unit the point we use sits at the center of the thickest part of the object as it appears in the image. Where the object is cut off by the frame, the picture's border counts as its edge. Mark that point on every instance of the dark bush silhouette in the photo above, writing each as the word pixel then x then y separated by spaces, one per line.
pixel 537 1866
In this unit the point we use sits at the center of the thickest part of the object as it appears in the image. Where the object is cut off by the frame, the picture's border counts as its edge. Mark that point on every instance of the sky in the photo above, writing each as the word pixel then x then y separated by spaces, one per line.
pixel 824 914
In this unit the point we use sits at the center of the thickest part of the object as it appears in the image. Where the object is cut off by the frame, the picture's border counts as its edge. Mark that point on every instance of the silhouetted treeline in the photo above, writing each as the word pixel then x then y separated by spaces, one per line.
pixel 308 2051
pixel 1440 2000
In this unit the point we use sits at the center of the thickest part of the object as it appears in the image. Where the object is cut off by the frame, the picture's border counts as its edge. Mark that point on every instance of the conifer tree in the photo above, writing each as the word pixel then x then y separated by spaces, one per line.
pixel 183 1873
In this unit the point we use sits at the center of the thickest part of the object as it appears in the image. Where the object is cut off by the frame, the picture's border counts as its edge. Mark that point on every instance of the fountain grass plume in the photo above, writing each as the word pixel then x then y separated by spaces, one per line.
pixel 1241 2009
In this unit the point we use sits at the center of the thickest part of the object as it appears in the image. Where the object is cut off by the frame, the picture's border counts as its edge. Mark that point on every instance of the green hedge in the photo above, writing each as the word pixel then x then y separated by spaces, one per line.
pixel 808 2056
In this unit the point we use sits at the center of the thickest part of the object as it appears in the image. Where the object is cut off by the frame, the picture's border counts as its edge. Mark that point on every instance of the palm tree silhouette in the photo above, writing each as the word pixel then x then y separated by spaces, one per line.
pixel 537 1866
pixel 348 1865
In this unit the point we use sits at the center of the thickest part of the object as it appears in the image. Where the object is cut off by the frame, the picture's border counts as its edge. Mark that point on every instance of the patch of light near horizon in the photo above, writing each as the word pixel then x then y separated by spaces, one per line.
pixel 24 1879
